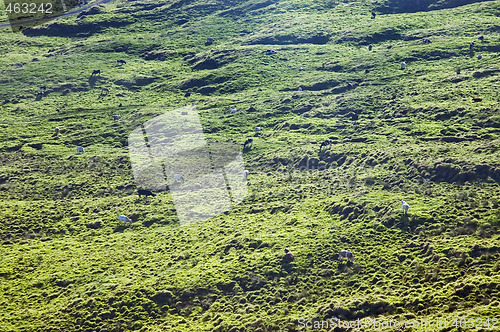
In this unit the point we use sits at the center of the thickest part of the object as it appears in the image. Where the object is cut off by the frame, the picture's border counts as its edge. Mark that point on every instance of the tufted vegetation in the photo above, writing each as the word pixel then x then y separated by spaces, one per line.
pixel 428 134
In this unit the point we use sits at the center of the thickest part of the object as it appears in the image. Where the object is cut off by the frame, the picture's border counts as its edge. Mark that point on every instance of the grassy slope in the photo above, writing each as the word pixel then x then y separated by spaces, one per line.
pixel 66 263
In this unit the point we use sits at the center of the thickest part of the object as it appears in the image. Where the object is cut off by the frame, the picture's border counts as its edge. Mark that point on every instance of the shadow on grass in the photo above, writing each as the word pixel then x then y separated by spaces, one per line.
pixel 342 267
pixel 148 223
pixel 120 228
pixel 92 80
pixel 287 266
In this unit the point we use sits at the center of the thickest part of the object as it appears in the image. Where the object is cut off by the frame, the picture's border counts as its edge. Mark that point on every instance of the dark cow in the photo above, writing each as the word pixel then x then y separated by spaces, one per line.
pixel 248 143
pixel 325 143
pixel 145 192
pixel 121 62
pixel 346 254
pixel 289 257
pixel 96 72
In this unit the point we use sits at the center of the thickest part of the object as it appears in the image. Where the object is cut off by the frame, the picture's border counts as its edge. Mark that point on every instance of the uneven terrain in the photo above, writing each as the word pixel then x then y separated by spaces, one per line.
pixel 428 134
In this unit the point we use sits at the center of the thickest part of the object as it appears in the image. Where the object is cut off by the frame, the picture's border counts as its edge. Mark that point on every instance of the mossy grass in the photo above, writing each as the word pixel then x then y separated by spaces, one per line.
pixel 427 134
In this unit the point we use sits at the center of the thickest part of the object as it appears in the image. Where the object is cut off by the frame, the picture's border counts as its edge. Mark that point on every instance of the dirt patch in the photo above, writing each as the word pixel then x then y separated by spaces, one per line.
pixel 448 172
pixel 430 55
pixel 136 82
pixel 485 73
pixel 405 6
pixel 302 109
pixel 159 55
pixel 72 30
pixel 210 60
pixel 246 9
pixel 350 210
pixel 376 37
pixel 192 83
pixel 319 39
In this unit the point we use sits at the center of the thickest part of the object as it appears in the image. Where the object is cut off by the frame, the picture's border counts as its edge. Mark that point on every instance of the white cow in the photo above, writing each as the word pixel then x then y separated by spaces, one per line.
pixel 406 206
pixel 80 149
pixel 124 218
pixel 179 177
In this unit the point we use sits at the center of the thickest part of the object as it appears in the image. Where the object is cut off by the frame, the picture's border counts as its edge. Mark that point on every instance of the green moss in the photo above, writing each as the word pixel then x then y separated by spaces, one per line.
pixel 416 134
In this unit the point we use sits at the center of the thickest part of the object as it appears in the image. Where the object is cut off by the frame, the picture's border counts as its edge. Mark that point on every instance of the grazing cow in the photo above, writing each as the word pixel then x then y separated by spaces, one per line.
pixel 187 94
pixel 80 149
pixel 104 91
pixel 370 47
pixel 299 89
pixel 301 69
pixel 426 41
pixel 471 45
pixel 289 257
pixel 96 72
pixel 481 38
pixel 389 47
pixel 258 129
pixel 477 100
pixel 234 110
pixel 43 88
pixel 145 192
pixel 403 65
pixel 346 254
pixel 406 206
pixel 325 143
pixel 248 143
pixel 269 52
pixel 124 218
pixel 373 15
pixel 480 56
pixel 116 117
pixel 245 174
pixel 178 178
pixel 210 41
pixel 121 62
pixel 56 129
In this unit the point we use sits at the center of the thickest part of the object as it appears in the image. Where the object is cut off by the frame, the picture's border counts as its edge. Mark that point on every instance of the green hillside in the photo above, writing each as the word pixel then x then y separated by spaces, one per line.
pixel 428 133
